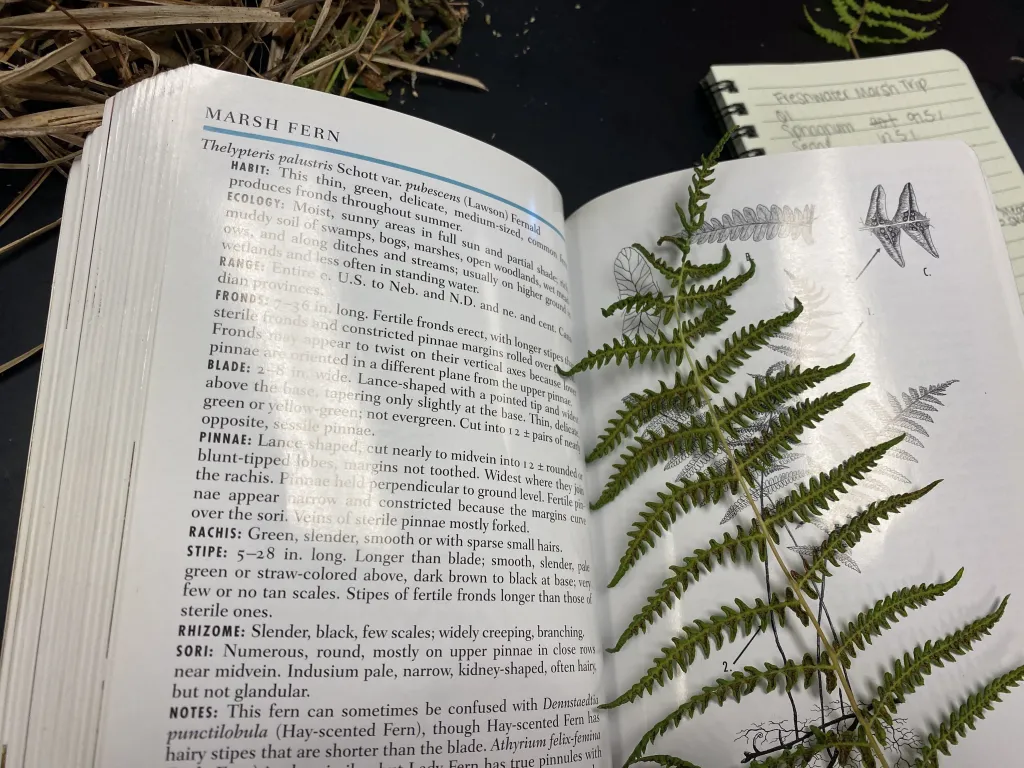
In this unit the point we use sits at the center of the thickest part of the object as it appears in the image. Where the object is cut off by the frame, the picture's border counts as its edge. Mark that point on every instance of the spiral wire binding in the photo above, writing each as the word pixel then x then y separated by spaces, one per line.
pixel 727 113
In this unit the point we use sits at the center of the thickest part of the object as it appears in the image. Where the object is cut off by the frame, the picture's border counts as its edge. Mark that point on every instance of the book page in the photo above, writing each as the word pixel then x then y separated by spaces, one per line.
pixel 933 323
pixel 357 534
pixel 884 100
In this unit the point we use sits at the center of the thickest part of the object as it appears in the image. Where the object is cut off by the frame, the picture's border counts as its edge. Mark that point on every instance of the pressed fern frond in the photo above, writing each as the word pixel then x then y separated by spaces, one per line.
pixel 743 443
pixel 672 274
pixel 716 629
pixel 872 622
pixel 697 195
pixel 804 503
pixel 706 295
pixel 739 684
pixel 707 488
pixel 699 434
pixel 846 536
pixel 956 725
pixel 640 348
pixel 856 16
pixel 738 547
pixel 640 408
pixel 669 761
pixel 655 447
pixel 791 424
pixel 663 306
pixel 908 673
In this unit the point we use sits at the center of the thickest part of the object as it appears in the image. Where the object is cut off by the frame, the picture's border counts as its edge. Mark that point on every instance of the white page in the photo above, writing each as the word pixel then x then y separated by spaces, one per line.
pixel 888 99
pixel 935 320
pixel 292 320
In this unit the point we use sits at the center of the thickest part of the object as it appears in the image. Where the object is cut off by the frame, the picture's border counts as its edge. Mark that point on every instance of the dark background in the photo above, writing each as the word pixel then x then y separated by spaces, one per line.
pixel 596 94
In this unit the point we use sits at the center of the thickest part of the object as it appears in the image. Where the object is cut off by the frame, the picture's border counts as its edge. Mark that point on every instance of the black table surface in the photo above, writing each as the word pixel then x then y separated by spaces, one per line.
pixel 595 94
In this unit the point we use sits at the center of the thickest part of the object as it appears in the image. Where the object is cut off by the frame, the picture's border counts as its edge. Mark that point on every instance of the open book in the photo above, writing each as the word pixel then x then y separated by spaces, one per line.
pixel 306 487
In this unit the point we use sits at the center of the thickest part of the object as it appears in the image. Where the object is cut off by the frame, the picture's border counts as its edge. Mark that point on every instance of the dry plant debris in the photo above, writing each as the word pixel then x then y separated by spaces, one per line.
pixel 61 59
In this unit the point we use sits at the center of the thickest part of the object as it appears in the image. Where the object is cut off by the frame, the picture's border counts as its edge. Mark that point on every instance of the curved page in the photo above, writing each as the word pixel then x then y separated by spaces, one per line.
pixel 356 535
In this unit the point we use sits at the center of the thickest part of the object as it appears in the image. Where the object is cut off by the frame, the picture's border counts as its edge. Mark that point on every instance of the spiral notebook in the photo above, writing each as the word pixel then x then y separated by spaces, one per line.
pixel 888 99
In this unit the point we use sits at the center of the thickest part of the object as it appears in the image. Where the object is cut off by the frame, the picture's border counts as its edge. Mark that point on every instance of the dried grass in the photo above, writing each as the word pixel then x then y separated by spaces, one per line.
pixel 61 59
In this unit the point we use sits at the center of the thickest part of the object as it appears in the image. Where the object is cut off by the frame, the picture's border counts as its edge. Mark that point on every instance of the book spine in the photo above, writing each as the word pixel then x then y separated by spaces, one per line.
pixel 723 95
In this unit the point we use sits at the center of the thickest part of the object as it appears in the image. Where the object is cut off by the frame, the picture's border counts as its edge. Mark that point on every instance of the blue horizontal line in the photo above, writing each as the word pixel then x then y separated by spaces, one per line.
pixel 388 163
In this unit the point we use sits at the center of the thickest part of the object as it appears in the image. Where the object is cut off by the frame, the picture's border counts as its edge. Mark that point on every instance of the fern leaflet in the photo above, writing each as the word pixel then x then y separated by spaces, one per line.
pixel 889 20
pixel 791 424
pixel 638 349
pixel 641 408
pixel 803 504
pixel 908 673
pixel 739 684
pixel 846 536
pixel 954 727
pixel 700 434
pixel 872 622
pixel 700 635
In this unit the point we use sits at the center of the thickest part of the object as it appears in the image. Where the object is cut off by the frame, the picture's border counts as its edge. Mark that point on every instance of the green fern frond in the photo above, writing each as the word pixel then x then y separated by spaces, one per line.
pixel 803 503
pixel 684 392
pixel 846 536
pixel 697 195
pixel 770 392
pixel 716 629
pixel 832 36
pixel 908 673
pixel 705 295
pixel 669 762
pixel 857 16
pixel 663 306
pixel 641 408
pixel 639 348
pixel 739 346
pixel 672 274
pixel 659 445
pixel 791 424
pixel 808 501
pixel 955 727
pixel 900 13
pixel 704 271
pixel 701 433
pixel 872 622
pixel 739 684
pixel 707 488
pixel 740 547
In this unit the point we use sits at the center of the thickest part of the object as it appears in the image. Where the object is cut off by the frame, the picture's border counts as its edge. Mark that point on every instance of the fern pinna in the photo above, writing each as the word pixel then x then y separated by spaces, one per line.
pixel 868 21
pixel 731 443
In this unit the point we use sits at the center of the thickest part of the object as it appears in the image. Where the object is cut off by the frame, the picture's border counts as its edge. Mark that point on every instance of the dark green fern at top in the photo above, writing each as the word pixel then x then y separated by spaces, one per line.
pixel 707 413
pixel 874 23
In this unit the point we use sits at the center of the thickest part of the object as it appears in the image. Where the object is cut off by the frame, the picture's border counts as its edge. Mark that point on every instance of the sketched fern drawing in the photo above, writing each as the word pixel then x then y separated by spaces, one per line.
pixel 908 219
pixel 810 337
pixel 758 224
pixel 633 277
pixel 757 441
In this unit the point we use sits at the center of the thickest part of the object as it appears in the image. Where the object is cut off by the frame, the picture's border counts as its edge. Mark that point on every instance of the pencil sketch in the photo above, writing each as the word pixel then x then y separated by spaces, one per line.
pixel 633 277
pixel 908 218
pixel 762 223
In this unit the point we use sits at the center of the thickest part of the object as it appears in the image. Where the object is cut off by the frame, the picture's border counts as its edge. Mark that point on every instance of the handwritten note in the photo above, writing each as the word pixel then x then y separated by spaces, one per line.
pixel 912 97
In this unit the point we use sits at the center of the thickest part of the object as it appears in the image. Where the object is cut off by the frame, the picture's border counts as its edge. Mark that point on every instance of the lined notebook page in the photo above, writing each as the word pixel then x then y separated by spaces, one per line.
pixel 910 97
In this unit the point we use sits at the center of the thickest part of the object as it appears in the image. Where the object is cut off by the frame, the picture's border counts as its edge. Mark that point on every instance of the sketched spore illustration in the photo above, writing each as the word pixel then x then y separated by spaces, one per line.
pixel 633 277
pixel 762 223
pixel 908 218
